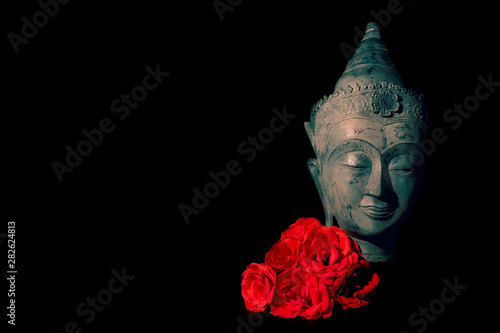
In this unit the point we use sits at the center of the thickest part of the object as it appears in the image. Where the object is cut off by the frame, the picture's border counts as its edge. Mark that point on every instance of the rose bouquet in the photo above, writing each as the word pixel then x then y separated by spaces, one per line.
pixel 306 271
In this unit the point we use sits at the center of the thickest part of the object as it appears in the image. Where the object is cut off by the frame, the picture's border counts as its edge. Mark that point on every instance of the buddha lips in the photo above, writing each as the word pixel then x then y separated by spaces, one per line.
pixel 309 269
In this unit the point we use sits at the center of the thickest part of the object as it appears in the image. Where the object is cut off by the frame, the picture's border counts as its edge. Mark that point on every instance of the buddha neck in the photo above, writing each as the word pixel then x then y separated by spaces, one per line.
pixel 375 253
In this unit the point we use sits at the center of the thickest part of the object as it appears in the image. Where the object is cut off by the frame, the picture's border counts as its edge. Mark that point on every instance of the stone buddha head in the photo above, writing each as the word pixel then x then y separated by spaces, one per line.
pixel 366 137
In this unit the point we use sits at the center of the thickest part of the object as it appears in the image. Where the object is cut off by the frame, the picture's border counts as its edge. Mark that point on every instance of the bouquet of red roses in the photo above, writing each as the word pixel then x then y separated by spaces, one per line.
pixel 306 271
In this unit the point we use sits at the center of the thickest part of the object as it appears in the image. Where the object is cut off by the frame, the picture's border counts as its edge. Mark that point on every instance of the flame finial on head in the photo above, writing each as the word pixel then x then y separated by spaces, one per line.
pixel 370 87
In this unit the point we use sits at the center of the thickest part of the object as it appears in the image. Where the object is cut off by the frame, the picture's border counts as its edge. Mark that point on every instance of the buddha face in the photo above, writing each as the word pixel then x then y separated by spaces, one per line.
pixel 369 176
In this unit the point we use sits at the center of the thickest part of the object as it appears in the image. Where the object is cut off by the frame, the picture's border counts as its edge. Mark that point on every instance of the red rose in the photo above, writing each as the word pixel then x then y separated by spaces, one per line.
pixel 257 286
pixel 356 287
pixel 328 252
pixel 300 228
pixel 282 255
pixel 299 293
pixel 316 266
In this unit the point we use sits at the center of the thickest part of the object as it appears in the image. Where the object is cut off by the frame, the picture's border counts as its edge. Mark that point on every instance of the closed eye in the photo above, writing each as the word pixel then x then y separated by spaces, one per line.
pixel 357 161
pixel 402 164
pixel 402 170
pixel 404 167
pixel 357 167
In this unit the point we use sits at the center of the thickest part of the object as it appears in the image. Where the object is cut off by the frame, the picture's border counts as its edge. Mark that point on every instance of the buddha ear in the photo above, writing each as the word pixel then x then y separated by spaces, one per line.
pixel 315 169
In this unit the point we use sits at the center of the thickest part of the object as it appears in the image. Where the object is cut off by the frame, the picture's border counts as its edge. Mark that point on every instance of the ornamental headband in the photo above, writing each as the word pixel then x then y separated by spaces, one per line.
pixel 369 88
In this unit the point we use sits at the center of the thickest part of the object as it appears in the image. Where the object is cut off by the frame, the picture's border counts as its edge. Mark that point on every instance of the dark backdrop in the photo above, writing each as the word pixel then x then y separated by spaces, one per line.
pixel 119 208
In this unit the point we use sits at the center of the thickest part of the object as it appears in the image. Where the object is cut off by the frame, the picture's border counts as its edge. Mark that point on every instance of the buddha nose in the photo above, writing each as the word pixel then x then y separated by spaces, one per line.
pixel 379 185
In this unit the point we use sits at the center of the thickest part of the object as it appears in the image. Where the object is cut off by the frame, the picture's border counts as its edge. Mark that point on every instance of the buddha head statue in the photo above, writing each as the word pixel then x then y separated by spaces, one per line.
pixel 367 140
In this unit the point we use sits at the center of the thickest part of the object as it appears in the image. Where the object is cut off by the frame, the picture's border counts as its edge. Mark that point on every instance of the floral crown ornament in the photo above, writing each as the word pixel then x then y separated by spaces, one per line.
pixel 369 88
pixel 307 271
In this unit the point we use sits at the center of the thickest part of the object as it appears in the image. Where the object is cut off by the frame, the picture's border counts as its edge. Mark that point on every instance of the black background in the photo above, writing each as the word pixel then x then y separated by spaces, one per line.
pixel 119 207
